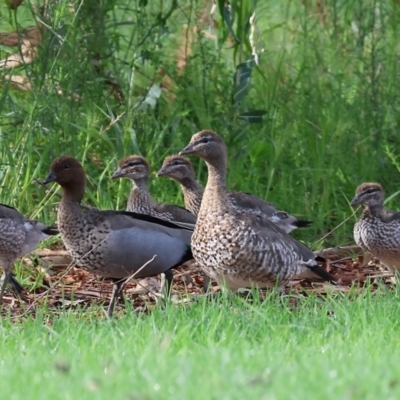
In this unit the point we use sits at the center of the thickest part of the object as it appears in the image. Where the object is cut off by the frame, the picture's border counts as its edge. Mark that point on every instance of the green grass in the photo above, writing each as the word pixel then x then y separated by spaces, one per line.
pixel 328 80
pixel 338 348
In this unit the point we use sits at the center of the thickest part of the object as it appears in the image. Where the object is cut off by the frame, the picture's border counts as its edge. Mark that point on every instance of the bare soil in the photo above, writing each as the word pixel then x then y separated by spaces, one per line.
pixel 64 286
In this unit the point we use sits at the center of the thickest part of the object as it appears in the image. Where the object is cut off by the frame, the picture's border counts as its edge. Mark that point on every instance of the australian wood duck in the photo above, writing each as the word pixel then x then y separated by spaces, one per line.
pixel 377 231
pixel 137 169
pixel 115 244
pixel 241 249
pixel 19 236
pixel 180 169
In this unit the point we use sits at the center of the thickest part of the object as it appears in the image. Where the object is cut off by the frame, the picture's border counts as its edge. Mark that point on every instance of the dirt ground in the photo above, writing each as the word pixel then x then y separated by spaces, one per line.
pixel 64 286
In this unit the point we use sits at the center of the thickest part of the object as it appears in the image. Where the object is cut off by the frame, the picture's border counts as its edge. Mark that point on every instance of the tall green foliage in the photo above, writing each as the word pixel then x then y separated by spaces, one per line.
pixel 305 124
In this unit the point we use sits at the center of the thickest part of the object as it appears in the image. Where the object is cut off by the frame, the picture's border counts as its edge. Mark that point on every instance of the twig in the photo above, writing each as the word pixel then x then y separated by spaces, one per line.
pixel 52 191
pixel 338 226
pixel 334 251
pixel 383 275
pixel 113 121
pixel 160 20
pixel 47 189
pixel 50 253
pixel 59 280
pixel 136 272
pixel 47 291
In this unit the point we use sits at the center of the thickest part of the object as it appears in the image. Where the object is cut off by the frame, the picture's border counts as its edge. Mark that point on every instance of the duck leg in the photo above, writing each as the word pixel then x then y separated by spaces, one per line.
pixel 3 286
pixel 9 277
pixel 116 294
pixel 366 259
pixel 166 283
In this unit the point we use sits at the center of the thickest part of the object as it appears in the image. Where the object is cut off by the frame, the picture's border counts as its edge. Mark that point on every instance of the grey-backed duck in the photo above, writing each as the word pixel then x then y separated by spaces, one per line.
pixel 288 222
pixel 19 236
pixel 242 249
pixel 377 231
pixel 137 169
pixel 115 244
pixel 180 169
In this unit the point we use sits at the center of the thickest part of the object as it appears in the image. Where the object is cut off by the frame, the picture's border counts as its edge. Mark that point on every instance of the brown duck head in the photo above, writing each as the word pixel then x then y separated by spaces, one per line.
pixel 68 172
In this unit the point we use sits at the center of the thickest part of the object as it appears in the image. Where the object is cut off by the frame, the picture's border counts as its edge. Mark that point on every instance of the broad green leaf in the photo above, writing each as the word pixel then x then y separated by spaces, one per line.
pixel 253 116
pixel 241 83
pixel 227 18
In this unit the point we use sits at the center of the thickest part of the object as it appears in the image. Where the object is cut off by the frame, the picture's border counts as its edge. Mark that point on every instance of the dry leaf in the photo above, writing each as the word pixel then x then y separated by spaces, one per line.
pixel 145 286
pixel 18 82
pixel 29 40
pixel 84 288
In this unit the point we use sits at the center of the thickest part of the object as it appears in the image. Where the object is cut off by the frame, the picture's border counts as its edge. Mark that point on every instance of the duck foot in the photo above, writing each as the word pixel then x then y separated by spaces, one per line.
pixel 166 286
pixel 16 287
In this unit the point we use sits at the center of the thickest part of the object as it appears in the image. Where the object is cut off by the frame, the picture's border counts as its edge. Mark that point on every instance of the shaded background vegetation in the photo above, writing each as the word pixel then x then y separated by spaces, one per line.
pixel 314 118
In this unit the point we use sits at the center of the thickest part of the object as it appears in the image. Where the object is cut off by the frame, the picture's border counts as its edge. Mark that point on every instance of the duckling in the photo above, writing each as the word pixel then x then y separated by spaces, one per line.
pixel 377 231
pixel 137 169
pixel 180 169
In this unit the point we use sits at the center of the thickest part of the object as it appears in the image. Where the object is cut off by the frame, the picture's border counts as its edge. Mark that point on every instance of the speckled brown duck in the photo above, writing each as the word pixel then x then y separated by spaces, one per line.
pixel 18 236
pixel 180 169
pixel 241 249
pixel 377 231
pixel 137 169
pixel 114 244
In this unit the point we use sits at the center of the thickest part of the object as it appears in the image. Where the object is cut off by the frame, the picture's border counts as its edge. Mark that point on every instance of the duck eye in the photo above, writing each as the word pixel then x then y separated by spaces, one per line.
pixel 204 140
pixel 131 164
pixel 176 162
pixel 66 166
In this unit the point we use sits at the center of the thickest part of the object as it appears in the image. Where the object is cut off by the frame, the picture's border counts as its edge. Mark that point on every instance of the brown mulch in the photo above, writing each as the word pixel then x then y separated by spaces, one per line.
pixel 64 286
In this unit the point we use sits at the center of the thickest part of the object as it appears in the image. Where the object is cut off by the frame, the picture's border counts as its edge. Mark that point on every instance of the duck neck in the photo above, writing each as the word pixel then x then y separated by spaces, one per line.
pixel 189 183
pixel 192 193
pixel 139 196
pixel 215 191
pixel 70 204
pixel 140 186
pixel 73 195
pixel 376 209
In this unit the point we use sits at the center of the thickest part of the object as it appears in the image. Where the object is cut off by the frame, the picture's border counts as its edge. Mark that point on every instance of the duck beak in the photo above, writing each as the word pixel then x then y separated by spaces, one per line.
pixel 355 201
pixel 161 172
pixel 189 149
pixel 117 174
pixel 51 177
